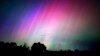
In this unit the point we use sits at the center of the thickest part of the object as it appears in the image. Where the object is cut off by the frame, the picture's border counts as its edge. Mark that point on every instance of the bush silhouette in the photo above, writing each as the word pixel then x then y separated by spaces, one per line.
pixel 38 48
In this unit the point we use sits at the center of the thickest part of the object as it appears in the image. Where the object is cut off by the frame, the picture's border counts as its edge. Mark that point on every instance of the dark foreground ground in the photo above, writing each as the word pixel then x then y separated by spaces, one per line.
pixel 38 49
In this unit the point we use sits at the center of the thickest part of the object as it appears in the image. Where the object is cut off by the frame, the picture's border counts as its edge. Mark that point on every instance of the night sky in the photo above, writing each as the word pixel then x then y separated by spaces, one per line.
pixel 58 24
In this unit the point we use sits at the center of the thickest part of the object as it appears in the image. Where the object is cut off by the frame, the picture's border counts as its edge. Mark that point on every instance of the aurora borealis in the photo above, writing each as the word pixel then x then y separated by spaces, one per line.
pixel 59 24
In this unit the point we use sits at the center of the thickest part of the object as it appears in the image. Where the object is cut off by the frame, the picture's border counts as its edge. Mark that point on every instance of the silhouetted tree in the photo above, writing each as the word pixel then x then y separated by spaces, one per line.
pixel 38 48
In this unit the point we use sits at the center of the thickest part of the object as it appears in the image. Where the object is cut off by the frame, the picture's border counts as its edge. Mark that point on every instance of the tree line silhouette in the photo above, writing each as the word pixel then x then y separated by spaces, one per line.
pixel 39 49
